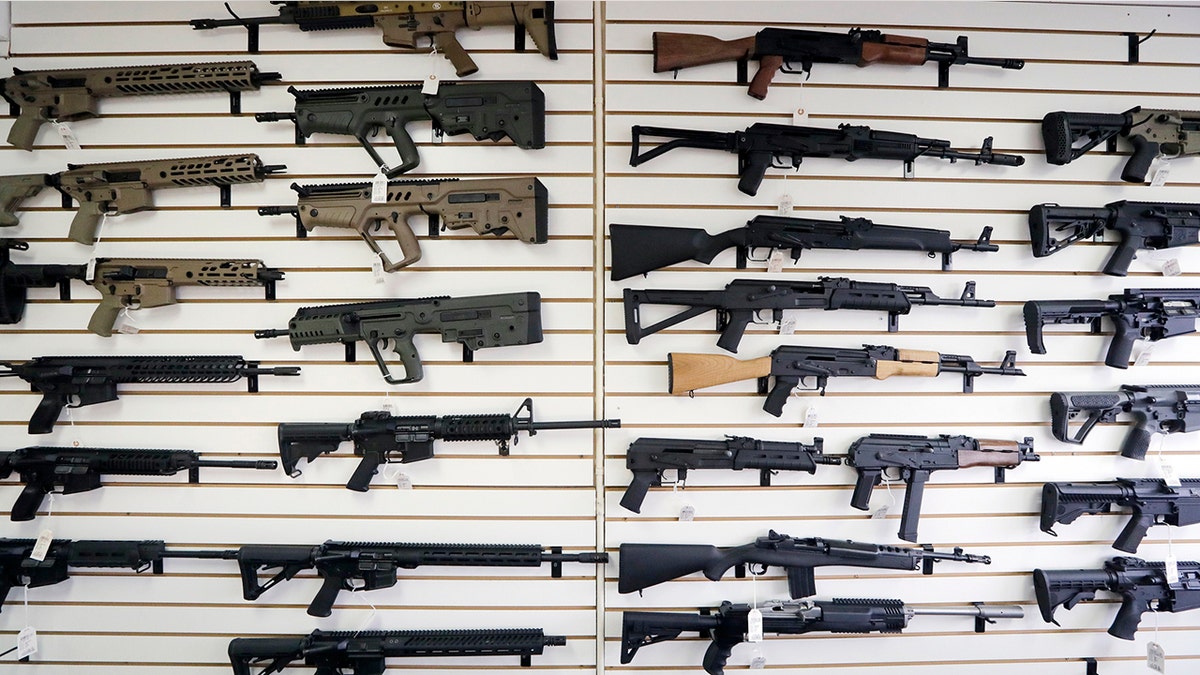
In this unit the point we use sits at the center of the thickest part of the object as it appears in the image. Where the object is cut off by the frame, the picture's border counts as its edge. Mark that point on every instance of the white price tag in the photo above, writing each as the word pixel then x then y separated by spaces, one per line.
pixel 687 514
pixel 89 273
pixel 758 662
pixel 1156 658
pixel 26 642
pixel 1143 357
pixel 404 481
pixel 125 324
pixel 379 188
pixel 1169 474
pixel 879 513
pixel 787 326
pixel 754 626
pixel 775 262
pixel 377 269
pixel 810 416
pixel 42 546
pixel 388 406
pixel 68 135
pixel 1160 176
pixel 785 205
pixel 1171 268
pixel 1171 569
pixel 799 116
pixel 430 86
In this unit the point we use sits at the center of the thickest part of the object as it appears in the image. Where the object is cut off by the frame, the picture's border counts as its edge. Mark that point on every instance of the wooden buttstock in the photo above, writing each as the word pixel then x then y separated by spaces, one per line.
pixel 1006 457
pixel 684 50
pixel 886 369
pixel 688 372
pixel 897 49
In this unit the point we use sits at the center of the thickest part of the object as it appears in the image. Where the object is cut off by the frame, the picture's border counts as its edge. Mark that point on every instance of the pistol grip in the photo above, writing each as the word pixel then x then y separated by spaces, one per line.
pixel 450 47
pixel 1144 152
pixel 105 316
pixel 410 248
pixel 47 413
pixel 25 130
pixel 752 168
pixel 322 604
pixel 85 223
pixel 28 503
pixel 731 337
pixel 635 494
pixel 716 656
pixel 1137 442
pixel 867 480
pixel 360 480
pixel 409 157
pixel 1121 346
pixel 1128 617
pixel 409 358
pixel 768 65
pixel 779 394
pixel 1118 263
pixel 1134 532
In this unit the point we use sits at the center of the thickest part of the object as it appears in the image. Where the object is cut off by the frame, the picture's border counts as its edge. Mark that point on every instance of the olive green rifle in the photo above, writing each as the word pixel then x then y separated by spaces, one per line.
pixel 16 189
pixel 39 96
pixel 127 187
pixel 488 206
pixel 404 23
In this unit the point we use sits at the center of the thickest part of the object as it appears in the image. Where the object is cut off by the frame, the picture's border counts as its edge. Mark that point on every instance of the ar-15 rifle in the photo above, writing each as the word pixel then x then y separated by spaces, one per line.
pixel 776 49
pixel 1153 133
pixel 1152 500
pixel 16 189
pixel 650 458
pixel 39 96
pixel 486 110
pixel 1148 313
pixel 916 457
pixel 74 470
pixel 403 24
pixel 728 625
pixel 374 564
pixel 476 321
pixel 488 206
pixel 16 280
pixel 763 145
pixel 116 188
pixel 1142 585
pixel 640 249
pixel 1156 408
pixel 1142 225
pixel 382 438
pixel 17 568
pixel 743 300
pixel 791 365
pixel 646 565
pixel 364 652
pixel 76 381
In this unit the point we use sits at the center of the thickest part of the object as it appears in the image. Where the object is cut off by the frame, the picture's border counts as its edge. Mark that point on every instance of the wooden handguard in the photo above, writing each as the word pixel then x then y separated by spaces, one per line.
pixel 921 355
pixel 688 372
pixel 897 49
pixel 886 369
pixel 684 50
pixel 991 453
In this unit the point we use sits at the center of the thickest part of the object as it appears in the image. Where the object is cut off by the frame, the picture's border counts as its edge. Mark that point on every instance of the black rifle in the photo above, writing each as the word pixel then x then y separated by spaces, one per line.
pixel 916 457
pixel 743 301
pixel 18 569
pixel 17 279
pixel 1142 225
pixel 649 458
pixel 373 565
pixel 364 652
pixel 76 381
pixel 1148 313
pixel 777 49
pixel 728 625
pixel 1156 408
pixel 382 438
pixel 476 322
pixel 1152 501
pixel 74 470
pixel 765 145
pixel 1142 586
pixel 791 365
pixel 646 565
pixel 486 110
pixel 639 249
pixel 1170 133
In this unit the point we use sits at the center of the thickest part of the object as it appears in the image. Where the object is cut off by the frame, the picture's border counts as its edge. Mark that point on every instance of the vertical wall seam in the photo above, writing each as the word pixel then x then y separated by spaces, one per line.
pixel 599 176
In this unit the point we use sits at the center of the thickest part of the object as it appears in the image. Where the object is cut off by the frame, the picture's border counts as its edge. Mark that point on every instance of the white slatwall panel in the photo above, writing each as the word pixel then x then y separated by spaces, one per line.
pixel 546 490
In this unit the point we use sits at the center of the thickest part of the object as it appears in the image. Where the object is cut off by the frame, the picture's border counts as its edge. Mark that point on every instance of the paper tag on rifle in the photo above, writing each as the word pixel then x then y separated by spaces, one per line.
pixel 754 626
pixel 1171 268
pixel 26 642
pixel 1156 658
pixel 388 406
pixel 775 262
pixel 810 416
pixel 1143 357
pixel 430 87
pixel 687 514
pixel 785 205
pixel 404 481
pixel 42 546
pixel 1161 175
pixel 379 185
pixel 1169 474
pixel 125 324
pixel 879 513
pixel 68 136
pixel 89 273
pixel 757 660
pixel 1171 569
pixel 377 268
pixel 799 116
pixel 787 326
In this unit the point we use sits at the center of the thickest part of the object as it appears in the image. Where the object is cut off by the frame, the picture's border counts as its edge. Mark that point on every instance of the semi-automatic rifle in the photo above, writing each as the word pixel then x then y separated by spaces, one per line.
pixel 1152 133
pixel 1156 408
pixel 1152 500
pixel 1142 225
